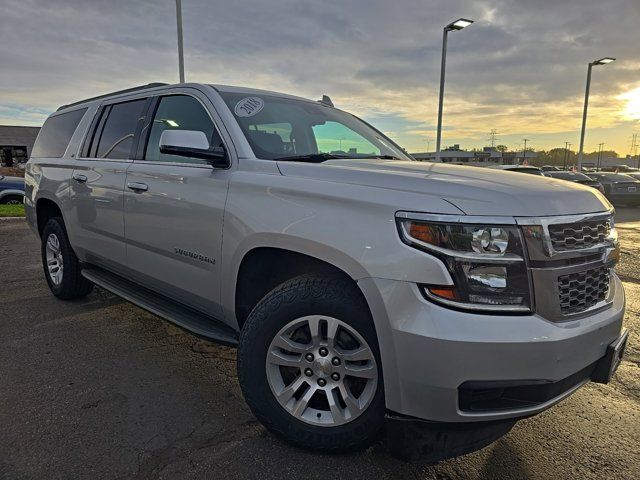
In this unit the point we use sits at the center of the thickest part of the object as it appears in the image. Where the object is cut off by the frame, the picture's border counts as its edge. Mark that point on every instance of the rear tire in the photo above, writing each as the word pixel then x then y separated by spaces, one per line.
pixel 11 200
pixel 345 396
pixel 61 266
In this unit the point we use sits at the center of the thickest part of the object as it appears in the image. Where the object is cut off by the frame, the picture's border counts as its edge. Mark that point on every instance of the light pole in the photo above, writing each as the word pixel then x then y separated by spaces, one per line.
pixel 453 26
pixel 566 154
pixel 602 61
pixel 180 50
pixel 600 145
pixel 524 150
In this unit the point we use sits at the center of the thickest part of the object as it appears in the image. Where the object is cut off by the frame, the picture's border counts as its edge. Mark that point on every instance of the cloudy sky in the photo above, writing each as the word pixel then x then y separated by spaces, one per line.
pixel 520 68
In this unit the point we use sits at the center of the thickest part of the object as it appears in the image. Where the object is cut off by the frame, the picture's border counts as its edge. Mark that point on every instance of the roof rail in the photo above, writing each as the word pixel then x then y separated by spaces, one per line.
pixel 127 90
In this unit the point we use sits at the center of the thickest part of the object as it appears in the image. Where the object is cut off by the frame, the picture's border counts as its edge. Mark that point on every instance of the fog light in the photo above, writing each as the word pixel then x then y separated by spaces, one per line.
pixel 486 277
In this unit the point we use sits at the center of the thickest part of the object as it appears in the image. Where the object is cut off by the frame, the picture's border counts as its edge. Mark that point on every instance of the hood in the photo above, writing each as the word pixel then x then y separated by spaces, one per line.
pixel 474 190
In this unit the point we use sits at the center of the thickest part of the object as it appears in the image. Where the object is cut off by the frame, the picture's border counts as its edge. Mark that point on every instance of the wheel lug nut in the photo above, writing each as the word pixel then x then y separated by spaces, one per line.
pixel 309 357
pixel 335 376
pixel 322 382
pixel 335 361
pixel 308 372
pixel 323 351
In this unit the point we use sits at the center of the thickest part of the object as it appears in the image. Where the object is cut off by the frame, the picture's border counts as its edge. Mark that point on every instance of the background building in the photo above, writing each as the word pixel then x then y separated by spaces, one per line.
pixel 478 158
pixel 16 144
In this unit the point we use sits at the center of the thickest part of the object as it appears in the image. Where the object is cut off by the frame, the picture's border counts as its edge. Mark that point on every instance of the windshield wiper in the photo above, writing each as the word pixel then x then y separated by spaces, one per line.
pixel 382 157
pixel 312 157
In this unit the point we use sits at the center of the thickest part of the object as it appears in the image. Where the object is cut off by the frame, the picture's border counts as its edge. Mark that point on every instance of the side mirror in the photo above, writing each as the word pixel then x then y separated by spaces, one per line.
pixel 192 144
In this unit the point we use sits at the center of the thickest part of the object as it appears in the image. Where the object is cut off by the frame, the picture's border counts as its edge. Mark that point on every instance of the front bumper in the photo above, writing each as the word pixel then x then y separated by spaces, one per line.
pixel 428 351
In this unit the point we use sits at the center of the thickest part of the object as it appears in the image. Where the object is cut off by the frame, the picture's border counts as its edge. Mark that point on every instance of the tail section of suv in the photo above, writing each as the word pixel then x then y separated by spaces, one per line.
pixel 358 285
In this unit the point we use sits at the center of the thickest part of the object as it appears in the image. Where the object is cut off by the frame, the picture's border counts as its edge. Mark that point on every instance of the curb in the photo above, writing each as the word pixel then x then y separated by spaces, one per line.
pixel 12 219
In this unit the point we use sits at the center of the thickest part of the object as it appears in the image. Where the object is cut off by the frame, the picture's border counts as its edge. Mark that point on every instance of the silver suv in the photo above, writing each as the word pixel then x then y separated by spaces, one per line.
pixel 362 288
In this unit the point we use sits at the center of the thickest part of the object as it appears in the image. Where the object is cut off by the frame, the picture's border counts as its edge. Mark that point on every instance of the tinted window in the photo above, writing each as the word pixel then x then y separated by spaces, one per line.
pixel 613 177
pixel 335 137
pixel 179 112
pixel 532 171
pixel 55 134
pixel 568 176
pixel 116 138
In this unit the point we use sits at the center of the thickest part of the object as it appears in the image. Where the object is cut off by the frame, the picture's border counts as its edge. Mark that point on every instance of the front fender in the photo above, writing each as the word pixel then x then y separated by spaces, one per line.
pixel 352 228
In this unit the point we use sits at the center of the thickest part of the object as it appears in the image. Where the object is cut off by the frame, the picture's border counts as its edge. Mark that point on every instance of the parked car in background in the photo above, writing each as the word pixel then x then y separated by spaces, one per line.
pixel 635 175
pixel 576 177
pixel 619 188
pixel 519 169
pixel 11 190
pixel 619 169
pixel 550 168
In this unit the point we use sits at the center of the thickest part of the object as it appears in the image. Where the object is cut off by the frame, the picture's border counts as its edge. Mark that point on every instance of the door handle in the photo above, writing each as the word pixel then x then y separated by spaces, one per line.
pixel 78 177
pixel 137 187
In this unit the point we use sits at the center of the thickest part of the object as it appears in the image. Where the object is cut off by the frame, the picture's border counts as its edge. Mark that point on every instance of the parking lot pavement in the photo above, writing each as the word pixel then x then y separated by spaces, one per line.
pixel 99 388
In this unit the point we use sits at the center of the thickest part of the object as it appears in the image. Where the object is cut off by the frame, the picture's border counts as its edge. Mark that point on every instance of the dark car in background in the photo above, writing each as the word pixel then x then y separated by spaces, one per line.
pixel 519 168
pixel 576 177
pixel 620 169
pixel 619 188
pixel 11 190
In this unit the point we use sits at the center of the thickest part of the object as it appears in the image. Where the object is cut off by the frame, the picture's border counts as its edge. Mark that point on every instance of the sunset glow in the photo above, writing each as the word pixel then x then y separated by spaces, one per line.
pixel 632 108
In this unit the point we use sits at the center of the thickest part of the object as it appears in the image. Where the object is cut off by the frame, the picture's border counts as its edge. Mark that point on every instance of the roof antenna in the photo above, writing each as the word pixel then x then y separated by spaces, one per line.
pixel 326 100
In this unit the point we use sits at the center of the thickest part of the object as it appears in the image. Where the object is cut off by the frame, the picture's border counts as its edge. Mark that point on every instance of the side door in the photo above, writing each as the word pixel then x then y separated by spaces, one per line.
pixel 97 185
pixel 174 207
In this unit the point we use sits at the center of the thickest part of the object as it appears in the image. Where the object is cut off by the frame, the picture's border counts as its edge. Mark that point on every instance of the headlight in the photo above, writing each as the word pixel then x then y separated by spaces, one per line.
pixel 486 263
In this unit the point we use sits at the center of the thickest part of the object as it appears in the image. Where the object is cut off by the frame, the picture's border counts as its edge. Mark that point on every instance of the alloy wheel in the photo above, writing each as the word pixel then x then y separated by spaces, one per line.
pixel 55 262
pixel 321 370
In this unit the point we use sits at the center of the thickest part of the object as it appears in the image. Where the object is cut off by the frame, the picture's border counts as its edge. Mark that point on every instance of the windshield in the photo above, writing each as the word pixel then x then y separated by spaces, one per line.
pixel 613 177
pixel 280 128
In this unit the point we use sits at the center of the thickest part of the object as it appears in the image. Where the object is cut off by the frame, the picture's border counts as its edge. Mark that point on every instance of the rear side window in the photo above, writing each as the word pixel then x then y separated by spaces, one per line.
pixel 116 136
pixel 56 133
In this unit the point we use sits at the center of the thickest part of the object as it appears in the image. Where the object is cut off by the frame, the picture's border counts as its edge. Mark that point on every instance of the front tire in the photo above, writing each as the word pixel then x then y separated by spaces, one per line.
pixel 61 266
pixel 309 364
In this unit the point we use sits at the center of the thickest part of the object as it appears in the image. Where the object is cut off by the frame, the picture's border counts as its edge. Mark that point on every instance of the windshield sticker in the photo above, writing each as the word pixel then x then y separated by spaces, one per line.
pixel 248 107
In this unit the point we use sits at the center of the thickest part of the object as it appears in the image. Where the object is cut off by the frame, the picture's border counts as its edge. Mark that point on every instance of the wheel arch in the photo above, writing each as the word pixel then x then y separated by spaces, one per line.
pixel 263 263
pixel 11 192
pixel 45 210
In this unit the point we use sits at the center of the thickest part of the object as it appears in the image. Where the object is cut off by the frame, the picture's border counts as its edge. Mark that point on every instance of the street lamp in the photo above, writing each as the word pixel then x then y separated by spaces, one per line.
pixel 600 145
pixel 602 61
pixel 524 151
pixel 566 154
pixel 453 26
pixel 180 49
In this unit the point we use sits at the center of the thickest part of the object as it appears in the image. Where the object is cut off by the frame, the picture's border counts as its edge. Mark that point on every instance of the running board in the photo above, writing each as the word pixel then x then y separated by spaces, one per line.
pixel 185 317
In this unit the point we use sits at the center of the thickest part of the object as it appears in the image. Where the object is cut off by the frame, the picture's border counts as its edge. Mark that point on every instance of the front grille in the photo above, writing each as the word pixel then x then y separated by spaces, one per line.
pixel 575 236
pixel 581 291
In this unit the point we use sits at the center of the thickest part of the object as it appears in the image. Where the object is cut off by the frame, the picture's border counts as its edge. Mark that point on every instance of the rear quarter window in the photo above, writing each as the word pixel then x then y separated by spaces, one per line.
pixel 56 133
